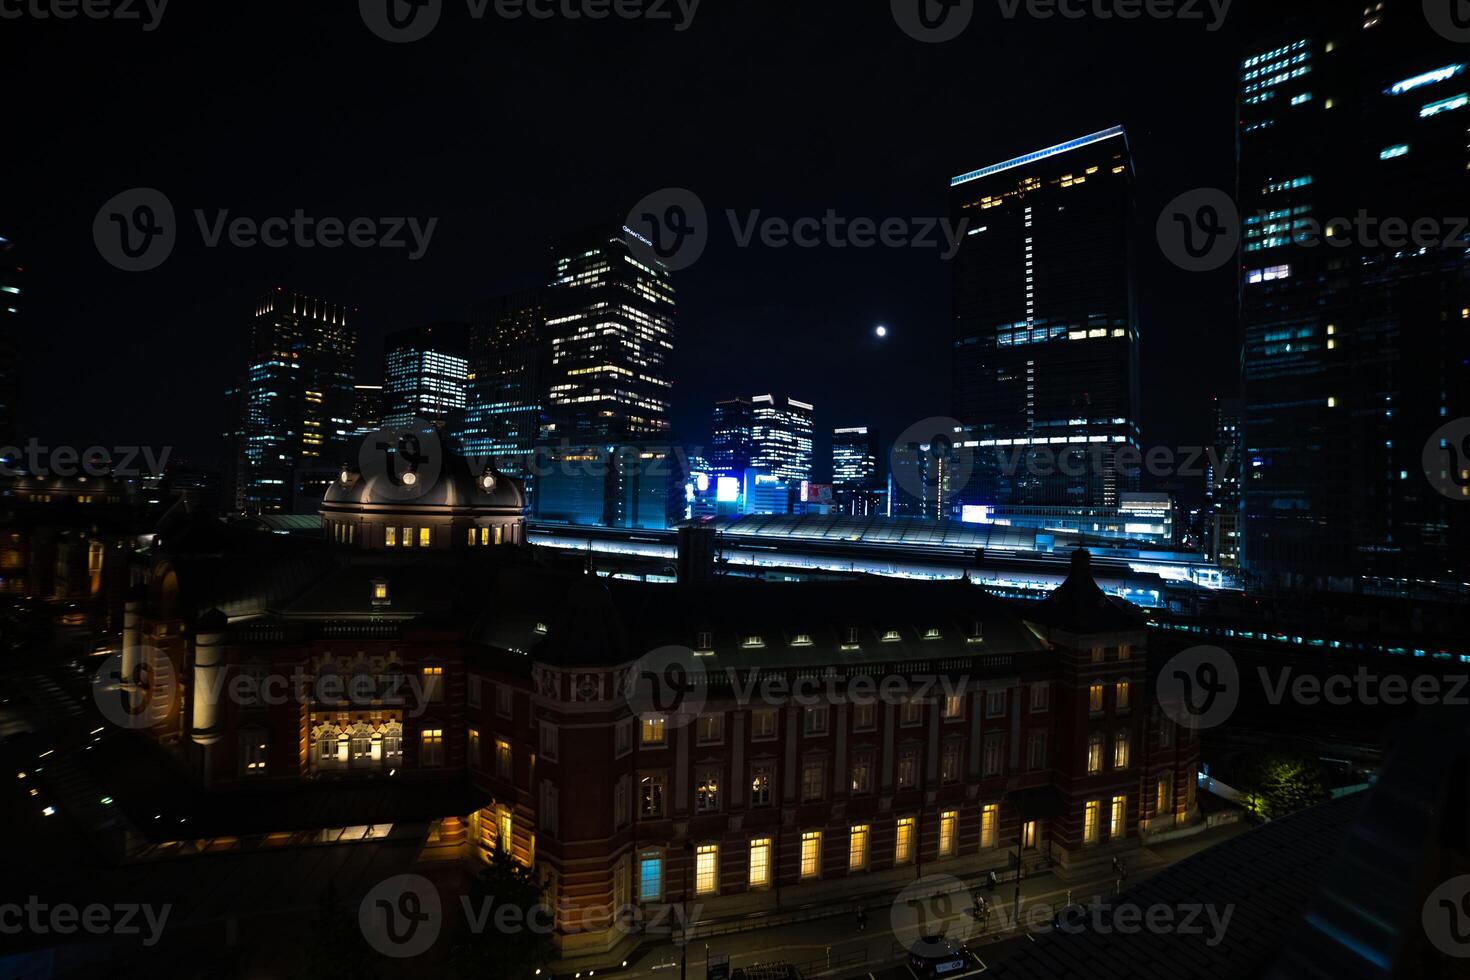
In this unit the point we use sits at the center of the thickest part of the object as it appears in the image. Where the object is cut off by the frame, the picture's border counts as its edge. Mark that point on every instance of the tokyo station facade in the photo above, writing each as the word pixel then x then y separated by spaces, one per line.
pixel 727 743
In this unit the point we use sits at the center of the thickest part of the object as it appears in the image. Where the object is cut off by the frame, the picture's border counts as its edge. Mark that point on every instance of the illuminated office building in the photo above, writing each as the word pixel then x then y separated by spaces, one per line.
pixel 610 325
pixel 1222 484
pixel 1045 329
pixel 509 364
pixel 425 371
pixel 781 437
pixel 295 393
pixel 11 272
pixel 732 435
pixel 1356 345
pixel 367 408
pixel 855 455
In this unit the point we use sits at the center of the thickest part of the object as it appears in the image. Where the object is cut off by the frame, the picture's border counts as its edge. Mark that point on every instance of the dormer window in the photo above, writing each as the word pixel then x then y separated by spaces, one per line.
pixel 890 636
pixel 380 592
pixel 977 633
pixel 704 640
pixel 801 640
pixel 752 641
pixel 850 638
pixel 542 628
pixel 932 633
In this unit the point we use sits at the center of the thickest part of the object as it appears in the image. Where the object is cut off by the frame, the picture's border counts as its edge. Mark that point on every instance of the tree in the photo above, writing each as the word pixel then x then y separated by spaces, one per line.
pixel 510 926
pixel 1274 784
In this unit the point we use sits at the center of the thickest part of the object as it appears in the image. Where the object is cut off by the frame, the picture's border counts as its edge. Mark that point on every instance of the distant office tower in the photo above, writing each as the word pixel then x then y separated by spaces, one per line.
pixel 781 436
pixel 732 436
pixel 11 272
pixel 367 409
pixel 509 367
pixel 854 458
pixel 1222 483
pixel 1045 330
pixel 294 394
pixel 610 323
pixel 608 485
pixel 425 372
pixel 1357 339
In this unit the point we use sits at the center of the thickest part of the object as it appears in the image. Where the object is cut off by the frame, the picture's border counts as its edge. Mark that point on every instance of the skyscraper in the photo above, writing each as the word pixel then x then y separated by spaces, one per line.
pixel 781 436
pixel 1355 334
pixel 855 469
pixel 509 366
pixel 732 436
pixel 1222 483
pixel 1045 330
pixel 11 272
pixel 425 372
pixel 610 324
pixel 295 393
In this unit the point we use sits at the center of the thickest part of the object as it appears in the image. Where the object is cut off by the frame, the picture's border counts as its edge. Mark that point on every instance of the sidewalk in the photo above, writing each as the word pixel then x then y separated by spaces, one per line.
pixel 833 937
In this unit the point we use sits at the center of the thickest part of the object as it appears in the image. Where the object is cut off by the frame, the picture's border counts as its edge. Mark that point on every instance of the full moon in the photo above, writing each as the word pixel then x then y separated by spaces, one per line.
pixel 882 331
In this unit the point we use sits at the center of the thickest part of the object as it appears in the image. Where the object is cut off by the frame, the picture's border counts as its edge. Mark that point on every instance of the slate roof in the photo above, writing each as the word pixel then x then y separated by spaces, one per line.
pixel 1080 607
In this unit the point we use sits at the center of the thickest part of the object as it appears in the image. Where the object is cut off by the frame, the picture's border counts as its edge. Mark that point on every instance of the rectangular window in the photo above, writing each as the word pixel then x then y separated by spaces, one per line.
pixel 864 717
pixel 502 758
pixel 813 779
pixel 651 796
pixel 550 741
pixel 407 537
pixel 948 827
pixel 474 748
pixel 1120 696
pixel 654 730
pixel 255 753
pixel 954 707
pixel 711 729
pixel 1122 743
pixel 811 854
pixel 908 769
pixel 1095 697
pixel 1089 822
pixel 989 821
pixel 390 537
pixel 1164 795
pixel 862 775
pixel 763 725
pixel 472 694
pixel 857 848
pixel 707 869
pixel 1125 651
pixel 760 862
pixel 707 792
pixel 704 640
pixel 994 761
pixel 1036 751
pixel 1094 753
pixel 903 847
pixel 1028 835
pixel 911 713
pixel 425 537
pixel 433 685
pixel 431 747
pixel 1098 655
pixel 761 778
pixel 651 877
pixel 504 700
pixel 949 763
pixel 995 704
pixel 1119 826
pixel 1166 733
pixel 623 739
pixel 816 719
pixel 1040 696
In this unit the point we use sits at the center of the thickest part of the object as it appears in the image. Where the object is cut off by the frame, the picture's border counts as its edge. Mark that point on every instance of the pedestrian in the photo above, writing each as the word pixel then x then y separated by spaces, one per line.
pixel 862 919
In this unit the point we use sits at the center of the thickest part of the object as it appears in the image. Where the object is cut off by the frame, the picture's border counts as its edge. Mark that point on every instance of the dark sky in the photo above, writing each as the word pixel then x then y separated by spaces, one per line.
pixel 512 131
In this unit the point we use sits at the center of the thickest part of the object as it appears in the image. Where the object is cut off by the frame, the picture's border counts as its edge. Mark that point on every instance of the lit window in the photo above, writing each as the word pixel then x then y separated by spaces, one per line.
pixel 433 684
pixel 390 537
pixel 431 747
pixel 651 795
pixel 752 641
pixel 760 862
pixel 1089 822
pixel 890 636
pixel 932 633
pixel 407 537
pixel 707 792
pixel 903 848
pixel 502 758
pixel 811 854
pixel 1120 696
pixel 380 590
pixel 1122 742
pixel 948 825
pixel 801 640
pixel 653 732
pixel 1095 697
pixel 1028 835
pixel 989 820
pixel 707 869
pixel 1119 826
pixel 954 707
pixel 908 769
pixel 650 876
pixel 857 848
pixel 424 537
pixel 761 778
pixel 1094 753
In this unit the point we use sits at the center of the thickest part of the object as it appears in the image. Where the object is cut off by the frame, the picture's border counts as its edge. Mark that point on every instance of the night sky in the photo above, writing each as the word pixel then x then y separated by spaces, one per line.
pixel 510 132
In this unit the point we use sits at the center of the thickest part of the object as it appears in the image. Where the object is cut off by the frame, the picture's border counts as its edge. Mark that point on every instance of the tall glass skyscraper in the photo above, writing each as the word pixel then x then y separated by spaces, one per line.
pixel 610 324
pixel 294 398
pixel 1045 329
pixel 1352 129
pixel 425 372
pixel 781 436
pixel 854 458
pixel 509 366
pixel 732 436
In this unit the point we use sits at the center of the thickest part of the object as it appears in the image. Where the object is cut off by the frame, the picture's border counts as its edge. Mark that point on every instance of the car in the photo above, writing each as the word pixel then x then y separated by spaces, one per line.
pixel 937 956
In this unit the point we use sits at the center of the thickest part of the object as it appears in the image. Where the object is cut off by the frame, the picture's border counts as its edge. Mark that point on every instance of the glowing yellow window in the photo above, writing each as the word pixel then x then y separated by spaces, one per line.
pixel 390 537
pixel 811 854
pixel 707 869
pixel 857 848
pixel 380 590
pixel 989 814
pixel 948 824
pixel 903 850
pixel 760 862
pixel 424 537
